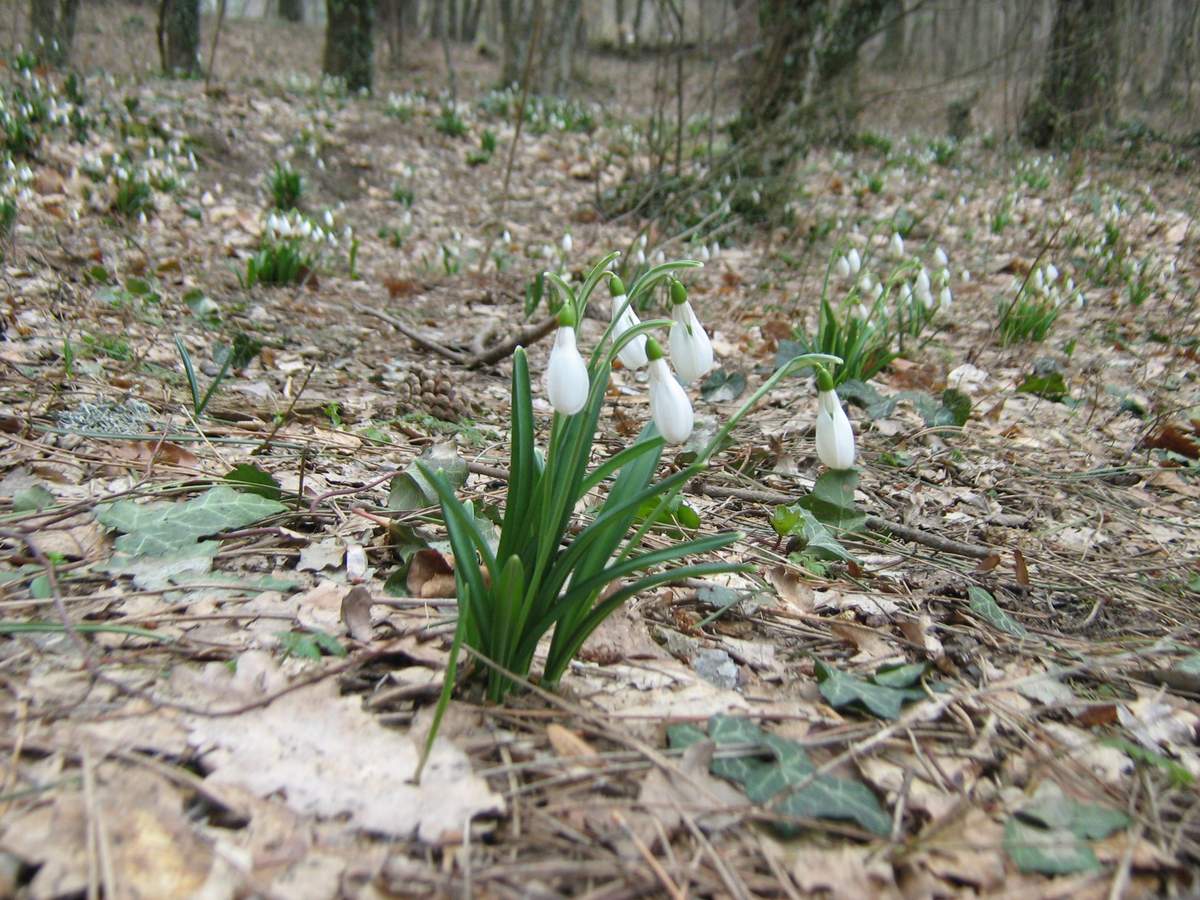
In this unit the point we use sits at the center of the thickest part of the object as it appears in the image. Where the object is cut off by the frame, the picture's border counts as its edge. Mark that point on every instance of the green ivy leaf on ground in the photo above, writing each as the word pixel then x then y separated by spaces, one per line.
pixel 778 773
pixel 884 700
pixel 253 480
pixel 815 539
pixel 984 605
pixel 1048 386
pixel 1049 834
pixel 165 528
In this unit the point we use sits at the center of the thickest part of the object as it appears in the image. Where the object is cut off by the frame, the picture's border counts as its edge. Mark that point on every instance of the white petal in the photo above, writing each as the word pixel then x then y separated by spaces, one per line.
pixel 669 404
pixel 566 375
pixel 855 260
pixel 842 267
pixel 691 350
pixel 939 258
pixel 835 437
pixel 633 354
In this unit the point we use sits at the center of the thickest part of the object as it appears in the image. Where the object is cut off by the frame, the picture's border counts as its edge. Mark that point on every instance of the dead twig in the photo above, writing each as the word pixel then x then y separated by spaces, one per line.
pixel 530 335
pixel 412 334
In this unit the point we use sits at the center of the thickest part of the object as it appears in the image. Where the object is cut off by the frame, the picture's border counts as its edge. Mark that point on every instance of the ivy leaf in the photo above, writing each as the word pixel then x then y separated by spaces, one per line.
pixel 1053 809
pixel 723 387
pixel 815 538
pixel 832 500
pixel 411 489
pixel 840 799
pixel 251 479
pixel 34 498
pixel 1048 852
pixel 840 689
pixel 984 605
pixel 162 528
pixel 906 676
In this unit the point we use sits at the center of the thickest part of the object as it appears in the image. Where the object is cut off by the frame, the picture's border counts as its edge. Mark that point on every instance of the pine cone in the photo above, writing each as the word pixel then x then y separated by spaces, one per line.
pixel 418 388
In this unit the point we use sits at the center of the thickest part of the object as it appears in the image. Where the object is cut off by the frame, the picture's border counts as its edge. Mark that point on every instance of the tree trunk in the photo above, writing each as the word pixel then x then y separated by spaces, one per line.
pixel 179 37
pixel 52 29
pixel 291 10
pixel 1078 90
pixel 396 20
pixel 891 54
pixel 349 42
pixel 1180 51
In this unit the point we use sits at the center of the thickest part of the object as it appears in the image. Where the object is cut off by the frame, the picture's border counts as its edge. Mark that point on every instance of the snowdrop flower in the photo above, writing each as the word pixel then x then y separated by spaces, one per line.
pixel 944 298
pixel 670 407
pixel 691 350
pixel 966 275
pixel 842 267
pixel 704 254
pixel 835 437
pixel 642 238
pixel 876 292
pixel 939 258
pixel 566 375
pixel 1051 273
pixel 861 311
pixel 905 294
pixel 633 354
pixel 567 243
pixel 547 251
pixel 854 260
pixel 896 245
pixel 506 238
pixel 1038 281
pixel 660 257
pixel 640 257
pixel 922 282
pixel 715 250
pixel 328 219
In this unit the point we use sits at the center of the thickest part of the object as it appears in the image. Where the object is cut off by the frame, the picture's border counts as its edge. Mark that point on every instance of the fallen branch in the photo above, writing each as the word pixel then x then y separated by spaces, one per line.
pixel 530 335
pixel 412 334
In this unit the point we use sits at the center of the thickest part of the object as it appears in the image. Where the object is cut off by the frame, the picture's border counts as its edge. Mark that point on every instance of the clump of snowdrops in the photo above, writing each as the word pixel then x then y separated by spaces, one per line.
pixel 549 571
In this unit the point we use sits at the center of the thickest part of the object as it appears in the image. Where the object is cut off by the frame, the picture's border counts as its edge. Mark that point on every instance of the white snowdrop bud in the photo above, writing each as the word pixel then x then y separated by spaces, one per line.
pixel 842 267
pixel 854 260
pixel 670 407
pixel 896 245
pixel 566 375
pixel 939 258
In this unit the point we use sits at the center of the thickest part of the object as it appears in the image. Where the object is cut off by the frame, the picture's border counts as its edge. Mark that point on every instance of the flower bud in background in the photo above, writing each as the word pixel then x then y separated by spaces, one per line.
pixel 939 258
pixel 566 375
pixel 567 243
pixel 854 260
pixel 896 245
pixel 669 404
pixel 633 354
pixel 691 350
pixel 842 267
pixel 835 437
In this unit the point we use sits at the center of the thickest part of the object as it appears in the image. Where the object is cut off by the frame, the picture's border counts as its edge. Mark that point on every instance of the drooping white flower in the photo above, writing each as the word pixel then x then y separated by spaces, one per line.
pixel 854 260
pixel 1051 273
pixel 691 350
pixel 842 267
pixel 566 375
pixel 945 298
pixel 714 250
pixel 896 245
pixel 567 242
pixel 670 407
pixel 640 257
pixel 939 258
pixel 633 354
pixel 835 437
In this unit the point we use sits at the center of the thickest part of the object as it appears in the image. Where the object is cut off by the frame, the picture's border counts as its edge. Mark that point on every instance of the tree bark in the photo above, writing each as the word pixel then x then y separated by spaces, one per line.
pixel 291 10
pixel 52 29
pixel 1078 90
pixel 349 42
pixel 1180 51
pixel 179 37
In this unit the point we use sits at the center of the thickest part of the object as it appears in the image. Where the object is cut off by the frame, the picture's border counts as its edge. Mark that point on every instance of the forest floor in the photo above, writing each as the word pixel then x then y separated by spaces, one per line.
pixel 206 691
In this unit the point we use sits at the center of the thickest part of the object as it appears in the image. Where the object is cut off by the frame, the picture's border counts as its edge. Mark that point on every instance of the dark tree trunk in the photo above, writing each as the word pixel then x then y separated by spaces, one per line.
pixel 179 36
pixel 395 18
pixel 291 10
pixel 349 43
pixel 52 29
pixel 891 54
pixel 1078 90
pixel 804 48
pixel 1180 52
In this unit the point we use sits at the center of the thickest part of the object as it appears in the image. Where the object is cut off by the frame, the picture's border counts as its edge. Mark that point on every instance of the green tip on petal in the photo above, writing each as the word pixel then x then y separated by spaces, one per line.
pixel 678 292
pixel 653 349
pixel 824 379
pixel 566 317
pixel 616 286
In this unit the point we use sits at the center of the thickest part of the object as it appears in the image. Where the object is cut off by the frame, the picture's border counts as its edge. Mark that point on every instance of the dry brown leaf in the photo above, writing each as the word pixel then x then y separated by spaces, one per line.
pixel 328 756
pixel 872 646
pixel 791 589
pixel 568 744
pixel 430 575
pixel 356 614
pixel 621 636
